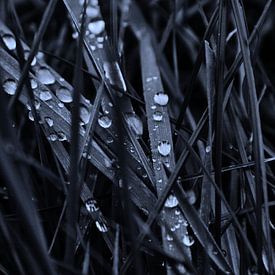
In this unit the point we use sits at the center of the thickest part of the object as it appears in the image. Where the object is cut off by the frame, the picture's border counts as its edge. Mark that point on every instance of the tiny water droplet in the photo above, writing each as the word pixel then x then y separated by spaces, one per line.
pixel 188 240
pixel 9 41
pixel 153 107
pixel 157 116
pixel 61 104
pixel 96 27
pixel 45 95
pixel 191 196
pixel 109 140
pixel 30 115
pixel 135 123
pixel 45 76
pixel 9 86
pixel 169 238
pixel 61 136
pixel 171 201
pixel 164 148
pixel 161 98
pixel 34 84
pixel 64 95
pixel 49 121
pixel 104 121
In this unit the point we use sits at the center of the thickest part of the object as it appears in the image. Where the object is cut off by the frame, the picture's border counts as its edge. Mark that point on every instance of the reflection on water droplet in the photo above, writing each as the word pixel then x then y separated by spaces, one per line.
pixel 64 95
pixel 30 115
pixel 164 148
pixel 91 206
pixel 114 75
pixel 104 121
pixel 49 121
pixel 96 27
pixel 45 95
pixel 171 201
pixel 169 238
pixel 34 84
pixel 188 240
pixel 9 86
pixel 84 115
pixel 208 149
pixel 135 123
pixel 157 116
pixel 109 140
pixel 45 76
pixel 101 226
pixel 161 98
pixel 9 41
pixel 61 136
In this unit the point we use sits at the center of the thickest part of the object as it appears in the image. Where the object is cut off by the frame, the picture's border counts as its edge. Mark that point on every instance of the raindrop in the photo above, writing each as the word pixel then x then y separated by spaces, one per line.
pixel 164 148
pixel 84 115
pixel 45 76
pixel 208 149
pixel 49 121
pixel 53 137
pixel 61 136
pixel 9 41
pixel 45 95
pixel 135 123
pixel 64 95
pixel 104 121
pixel 188 240
pixel 161 98
pixel 9 86
pixel 171 201
pixel 101 226
pixel 157 116
pixel 96 27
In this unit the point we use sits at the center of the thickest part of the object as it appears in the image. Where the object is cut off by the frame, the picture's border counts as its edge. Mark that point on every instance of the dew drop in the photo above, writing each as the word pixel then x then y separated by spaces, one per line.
pixel 91 205
pixel 53 137
pixel 169 238
pixel 64 95
pixel 171 201
pixel 84 115
pixel 157 116
pixel 164 148
pixel 188 240
pixel 45 76
pixel 208 149
pixel 9 86
pixel 61 136
pixel 161 98
pixel 45 95
pixel 49 121
pixel 30 115
pixel 9 41
pixel 34 84
pixel 92 12
pixel 191 196
pixel 109 140
pixel 104 121
pixel 96 27
pixel 26 56
pixel 135 123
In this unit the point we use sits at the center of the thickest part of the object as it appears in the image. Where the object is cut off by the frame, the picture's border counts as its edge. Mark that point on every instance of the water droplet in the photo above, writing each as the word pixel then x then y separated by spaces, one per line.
pixel 109 140
pixel 45 76
pixel 34 84
pixel 104 121
pixel 161 98
pixel 157 116
pixel 37 104
pixel 30 115
pixel 164 148
pixel 84 115
pixel 181 269
pixel 9 86
pixel 171 201
pixel 169 238
pixel 177 212
pixel 53 137
pixel 9 41
pixel 188 240
pixel 45 95
pixel 153 107
pixel 191 196
pixel 101 226
pixel 26 56
pixel 135 123
pixel 96 27
pixel 173 229
pixel 114 75
pixel 49 121
pixel 64 95
pixel 61 136
pixel 208 149
pixel 91 205
pixel 92 11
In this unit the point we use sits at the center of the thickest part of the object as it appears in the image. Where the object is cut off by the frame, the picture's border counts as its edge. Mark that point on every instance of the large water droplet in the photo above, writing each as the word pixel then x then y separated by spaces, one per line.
pixel 164 148
pixel 135 123
pixel 104 121
pixel 9 86
pixel 188 240
pixel 64 94
pixel 45 95
pixel 96 27
pixel 114 75
pixel 9 41
pixel 171 201
pixel 157 116
pixel 84 115
pixel 45 76
pixel 161 98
